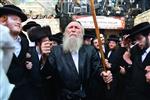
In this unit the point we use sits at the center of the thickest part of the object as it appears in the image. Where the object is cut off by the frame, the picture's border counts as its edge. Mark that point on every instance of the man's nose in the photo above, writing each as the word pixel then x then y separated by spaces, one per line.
pixel 73 29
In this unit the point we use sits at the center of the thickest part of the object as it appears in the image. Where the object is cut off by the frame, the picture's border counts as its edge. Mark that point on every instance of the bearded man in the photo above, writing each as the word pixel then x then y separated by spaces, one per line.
pixel 138 87
pixel 73 64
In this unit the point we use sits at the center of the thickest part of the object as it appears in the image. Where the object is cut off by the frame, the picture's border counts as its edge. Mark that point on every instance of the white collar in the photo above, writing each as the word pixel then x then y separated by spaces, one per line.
pixel 38 50
pixel 18 39
pixel 75 52
pixel 148 50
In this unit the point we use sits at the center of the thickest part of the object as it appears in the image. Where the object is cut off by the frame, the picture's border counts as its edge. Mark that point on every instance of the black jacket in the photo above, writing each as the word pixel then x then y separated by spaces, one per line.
pixel 139 89
pixel 19 75
pixel 61 65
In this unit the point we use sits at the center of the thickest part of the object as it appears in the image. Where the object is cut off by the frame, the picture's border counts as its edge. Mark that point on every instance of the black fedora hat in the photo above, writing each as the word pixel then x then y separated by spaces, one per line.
pixel 12 9
pixel 29 25
pixel 58 37
pixel 142 28
pixel 113 38
pixel 89 34
pixel 37 33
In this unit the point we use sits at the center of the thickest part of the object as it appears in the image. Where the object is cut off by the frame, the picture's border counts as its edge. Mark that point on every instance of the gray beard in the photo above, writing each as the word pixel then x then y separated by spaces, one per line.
pixel 72 44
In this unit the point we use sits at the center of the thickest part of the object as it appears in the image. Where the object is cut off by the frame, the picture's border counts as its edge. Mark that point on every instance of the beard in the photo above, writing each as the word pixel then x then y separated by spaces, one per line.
pixel 72 44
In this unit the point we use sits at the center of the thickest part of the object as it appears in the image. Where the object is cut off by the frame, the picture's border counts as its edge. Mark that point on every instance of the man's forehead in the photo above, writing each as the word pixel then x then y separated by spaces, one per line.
pixel 12 15
pixel 74 23
pixel 139 35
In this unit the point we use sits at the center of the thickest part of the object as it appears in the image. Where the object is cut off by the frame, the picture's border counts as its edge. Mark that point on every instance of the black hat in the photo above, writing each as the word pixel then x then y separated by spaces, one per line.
pixel 113 38
pixel 12 9
pixel 142 28
pixel 125 32
pixel 37 33
pixel 89 34
pixel 57 37
pixel 29 25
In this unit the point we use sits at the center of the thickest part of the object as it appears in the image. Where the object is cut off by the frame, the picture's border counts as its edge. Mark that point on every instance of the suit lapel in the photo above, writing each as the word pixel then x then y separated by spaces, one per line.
pixel 24 48
pixel 70 62
pixel 82 58
pixel 147 60
pixel 139 61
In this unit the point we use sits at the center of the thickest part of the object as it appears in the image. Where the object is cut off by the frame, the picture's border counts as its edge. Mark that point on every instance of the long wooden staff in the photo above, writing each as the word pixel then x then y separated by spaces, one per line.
pixel 98 37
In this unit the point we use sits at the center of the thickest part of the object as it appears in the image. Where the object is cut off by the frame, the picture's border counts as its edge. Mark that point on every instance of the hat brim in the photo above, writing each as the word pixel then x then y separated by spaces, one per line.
pixel 142 31
pixel 113 39
pixel 28 26
pixel 7 11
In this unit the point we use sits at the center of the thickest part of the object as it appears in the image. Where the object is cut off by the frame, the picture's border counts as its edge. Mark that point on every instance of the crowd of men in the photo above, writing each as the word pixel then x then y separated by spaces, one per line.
pixel 68 66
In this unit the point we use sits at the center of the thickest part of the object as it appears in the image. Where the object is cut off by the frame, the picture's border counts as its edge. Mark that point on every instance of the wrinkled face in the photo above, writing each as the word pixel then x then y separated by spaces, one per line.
pixel 74 29
pixel 14 24
pixel 112 45
pixel 73 37
pixel 140 40
pixel 95 43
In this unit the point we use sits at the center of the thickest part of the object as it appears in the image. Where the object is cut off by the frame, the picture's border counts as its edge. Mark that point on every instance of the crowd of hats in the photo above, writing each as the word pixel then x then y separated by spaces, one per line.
pixel 38 32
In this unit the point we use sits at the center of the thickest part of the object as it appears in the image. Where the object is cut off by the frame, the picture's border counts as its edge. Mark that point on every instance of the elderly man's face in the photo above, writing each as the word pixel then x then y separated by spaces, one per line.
pixel 73 37
pixel 74 29
pixel 14 24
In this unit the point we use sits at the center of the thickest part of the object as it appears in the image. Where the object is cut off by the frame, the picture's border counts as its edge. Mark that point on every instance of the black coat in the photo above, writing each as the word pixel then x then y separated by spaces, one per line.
pixel 44 88
pixel 61 65
pixel 139 89
pixel 19 75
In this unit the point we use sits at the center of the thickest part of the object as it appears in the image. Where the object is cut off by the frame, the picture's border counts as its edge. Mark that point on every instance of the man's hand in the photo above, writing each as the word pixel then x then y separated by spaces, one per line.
pixel 147 75
pixel 122 70
pixel 108 65
pixel 45 47
pixel 126 57
pixel 147 68
pixel 28 65
pixel 107 76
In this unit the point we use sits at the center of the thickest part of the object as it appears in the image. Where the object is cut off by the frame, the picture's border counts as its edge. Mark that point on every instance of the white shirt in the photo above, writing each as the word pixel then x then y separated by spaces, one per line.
pixel 145 54
pixel 109 53
pixel 75 56
pixel 38 51
pixel 103 47
pixel 17 46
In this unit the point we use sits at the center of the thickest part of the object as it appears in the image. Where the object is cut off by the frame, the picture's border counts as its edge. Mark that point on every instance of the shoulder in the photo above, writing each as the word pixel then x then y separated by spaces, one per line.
pixel 57 50
pixel 23 37
pixel 88 47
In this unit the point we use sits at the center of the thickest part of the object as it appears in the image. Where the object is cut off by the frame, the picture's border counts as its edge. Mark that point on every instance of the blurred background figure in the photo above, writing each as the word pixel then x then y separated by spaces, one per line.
pixel 56 39
pixel 6 54
pixel 88 37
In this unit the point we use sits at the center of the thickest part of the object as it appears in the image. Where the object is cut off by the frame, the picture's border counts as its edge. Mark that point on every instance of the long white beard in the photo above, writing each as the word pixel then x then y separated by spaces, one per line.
pixel 71 44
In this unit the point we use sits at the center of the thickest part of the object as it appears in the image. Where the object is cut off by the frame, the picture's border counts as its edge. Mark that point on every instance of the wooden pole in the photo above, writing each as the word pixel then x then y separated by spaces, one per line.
pixel 98 37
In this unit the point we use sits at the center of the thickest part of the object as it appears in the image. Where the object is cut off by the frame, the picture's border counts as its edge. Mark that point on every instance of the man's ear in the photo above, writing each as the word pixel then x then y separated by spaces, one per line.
pixel 3 19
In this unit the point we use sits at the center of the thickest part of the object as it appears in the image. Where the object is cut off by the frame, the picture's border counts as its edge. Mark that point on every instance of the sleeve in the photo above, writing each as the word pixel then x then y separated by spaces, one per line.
pixel 96 63
pixel 48 68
